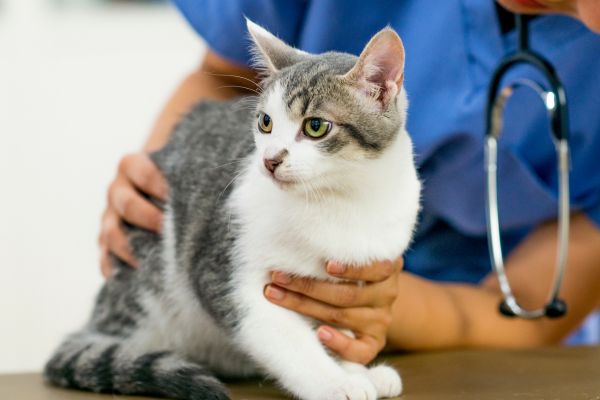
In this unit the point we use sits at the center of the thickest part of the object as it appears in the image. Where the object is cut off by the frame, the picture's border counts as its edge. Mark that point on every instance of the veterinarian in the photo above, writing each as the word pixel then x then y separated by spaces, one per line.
pixel 442 294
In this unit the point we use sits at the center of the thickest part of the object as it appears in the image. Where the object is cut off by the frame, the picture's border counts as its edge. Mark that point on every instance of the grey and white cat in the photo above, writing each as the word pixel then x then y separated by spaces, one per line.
pixel 326 173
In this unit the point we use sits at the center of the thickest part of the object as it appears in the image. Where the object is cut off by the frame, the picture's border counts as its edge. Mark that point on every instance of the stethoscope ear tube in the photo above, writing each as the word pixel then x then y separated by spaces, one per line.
pixel 554 100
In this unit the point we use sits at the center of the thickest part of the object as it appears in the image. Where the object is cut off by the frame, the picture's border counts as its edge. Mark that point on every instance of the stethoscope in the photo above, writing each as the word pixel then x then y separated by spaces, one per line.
pixel 555 102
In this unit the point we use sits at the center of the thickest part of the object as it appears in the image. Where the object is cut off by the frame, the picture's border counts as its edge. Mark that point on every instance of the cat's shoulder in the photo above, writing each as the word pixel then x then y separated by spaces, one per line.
pixel 209 131
pixel 212 121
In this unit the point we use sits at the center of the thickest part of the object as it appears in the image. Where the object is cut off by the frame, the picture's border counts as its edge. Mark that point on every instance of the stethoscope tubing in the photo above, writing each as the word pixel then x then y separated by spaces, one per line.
pixel 555 102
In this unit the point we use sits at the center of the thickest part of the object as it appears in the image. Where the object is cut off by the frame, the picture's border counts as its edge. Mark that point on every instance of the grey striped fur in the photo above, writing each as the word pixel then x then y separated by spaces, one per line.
pixel 197 164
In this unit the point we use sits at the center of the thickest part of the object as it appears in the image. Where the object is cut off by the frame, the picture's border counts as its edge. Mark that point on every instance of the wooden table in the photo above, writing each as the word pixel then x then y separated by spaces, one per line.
pixel 550 373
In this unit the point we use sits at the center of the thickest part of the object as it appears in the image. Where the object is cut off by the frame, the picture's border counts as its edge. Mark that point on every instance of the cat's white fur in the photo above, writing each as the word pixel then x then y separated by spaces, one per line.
pixel 368 215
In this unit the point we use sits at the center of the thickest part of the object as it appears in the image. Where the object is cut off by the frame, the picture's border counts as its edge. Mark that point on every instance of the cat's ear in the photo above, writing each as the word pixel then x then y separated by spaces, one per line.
pixel 379 71
pixel 270 51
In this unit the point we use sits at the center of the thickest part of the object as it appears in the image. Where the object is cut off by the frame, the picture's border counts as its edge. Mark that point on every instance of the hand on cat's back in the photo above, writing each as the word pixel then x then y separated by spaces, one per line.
pixel 363 308
pixel 136 174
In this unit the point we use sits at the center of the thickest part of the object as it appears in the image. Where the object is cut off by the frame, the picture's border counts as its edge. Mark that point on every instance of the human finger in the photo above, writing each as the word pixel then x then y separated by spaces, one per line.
pixel 105 264
pixel 339 294
pixel 144 174
pixel 361 350
pixel 364 318
pixel 133 208
pixel 114 238
pixel 375 272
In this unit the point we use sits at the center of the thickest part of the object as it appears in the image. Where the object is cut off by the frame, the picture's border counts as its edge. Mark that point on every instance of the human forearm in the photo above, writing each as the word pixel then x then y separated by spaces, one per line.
pixel 215 79
pixel 442 316
pixel 430 315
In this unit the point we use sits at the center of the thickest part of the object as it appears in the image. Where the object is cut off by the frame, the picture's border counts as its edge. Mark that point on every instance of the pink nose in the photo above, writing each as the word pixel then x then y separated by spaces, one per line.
pixel 272 163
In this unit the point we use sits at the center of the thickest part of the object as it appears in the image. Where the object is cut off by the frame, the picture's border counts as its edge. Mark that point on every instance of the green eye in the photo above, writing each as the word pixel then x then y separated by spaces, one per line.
pixel 265 124
pixel 316 127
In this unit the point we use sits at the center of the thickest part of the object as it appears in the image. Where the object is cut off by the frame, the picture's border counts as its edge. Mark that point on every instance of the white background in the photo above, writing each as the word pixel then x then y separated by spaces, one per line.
pixel 79 87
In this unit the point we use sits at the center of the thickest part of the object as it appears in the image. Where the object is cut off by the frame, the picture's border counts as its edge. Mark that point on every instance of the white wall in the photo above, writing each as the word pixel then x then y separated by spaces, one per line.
pixel 78 88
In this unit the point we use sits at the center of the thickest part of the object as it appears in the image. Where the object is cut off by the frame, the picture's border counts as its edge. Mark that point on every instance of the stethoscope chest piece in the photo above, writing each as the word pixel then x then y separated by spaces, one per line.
pixel 554 100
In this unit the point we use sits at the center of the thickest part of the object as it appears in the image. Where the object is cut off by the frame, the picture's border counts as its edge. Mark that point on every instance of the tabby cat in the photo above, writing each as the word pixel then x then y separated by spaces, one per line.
pixel 317 167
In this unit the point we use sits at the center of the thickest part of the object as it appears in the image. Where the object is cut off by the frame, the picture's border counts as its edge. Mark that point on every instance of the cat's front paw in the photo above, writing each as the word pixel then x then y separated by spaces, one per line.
pixel 351 387
pixel 386 380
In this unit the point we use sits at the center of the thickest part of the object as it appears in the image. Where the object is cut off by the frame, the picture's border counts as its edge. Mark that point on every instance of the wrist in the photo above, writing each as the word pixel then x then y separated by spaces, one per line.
pixel 426 316
pixel 408 313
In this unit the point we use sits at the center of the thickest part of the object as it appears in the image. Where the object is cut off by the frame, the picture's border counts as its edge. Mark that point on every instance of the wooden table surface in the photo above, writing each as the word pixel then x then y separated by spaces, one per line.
pixel 549 373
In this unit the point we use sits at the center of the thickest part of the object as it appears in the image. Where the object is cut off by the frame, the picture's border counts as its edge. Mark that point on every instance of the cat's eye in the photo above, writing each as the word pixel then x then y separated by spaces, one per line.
pixel 316 127
pixel 265 123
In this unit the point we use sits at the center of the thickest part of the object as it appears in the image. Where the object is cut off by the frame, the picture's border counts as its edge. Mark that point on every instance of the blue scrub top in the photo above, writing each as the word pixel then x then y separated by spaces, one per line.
pixel 452 48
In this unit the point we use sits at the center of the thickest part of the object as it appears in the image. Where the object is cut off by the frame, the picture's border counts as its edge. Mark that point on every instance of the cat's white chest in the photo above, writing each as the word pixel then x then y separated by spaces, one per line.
pixel 287 233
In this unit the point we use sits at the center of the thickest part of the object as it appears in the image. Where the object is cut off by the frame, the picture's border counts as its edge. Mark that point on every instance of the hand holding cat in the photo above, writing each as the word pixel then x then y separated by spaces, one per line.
pixel 364 309
pixel 136 174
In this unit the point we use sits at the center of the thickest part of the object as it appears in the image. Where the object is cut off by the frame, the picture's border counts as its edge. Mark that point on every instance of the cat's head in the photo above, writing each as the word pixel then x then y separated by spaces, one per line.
pixel 321 119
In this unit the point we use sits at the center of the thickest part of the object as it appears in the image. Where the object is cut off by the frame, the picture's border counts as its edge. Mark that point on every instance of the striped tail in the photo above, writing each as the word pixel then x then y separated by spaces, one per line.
pixel 102 364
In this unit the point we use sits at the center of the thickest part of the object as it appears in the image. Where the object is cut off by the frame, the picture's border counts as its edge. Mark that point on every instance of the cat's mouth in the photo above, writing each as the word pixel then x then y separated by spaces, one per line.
pixel 283 183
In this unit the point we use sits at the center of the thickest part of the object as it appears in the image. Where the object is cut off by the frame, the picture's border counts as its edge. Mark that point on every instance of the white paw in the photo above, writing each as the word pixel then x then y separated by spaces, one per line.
pixel 386 380
pixel 351 387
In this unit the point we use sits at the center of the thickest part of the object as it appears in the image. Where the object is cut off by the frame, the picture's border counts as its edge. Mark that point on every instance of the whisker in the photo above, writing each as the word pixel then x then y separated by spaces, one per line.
pixel 246 102
pixel 238 160
pixel 240 87
pixel 236 176
pixel 313 192
pixel 319 194
pixel 306 195
pixel 234 76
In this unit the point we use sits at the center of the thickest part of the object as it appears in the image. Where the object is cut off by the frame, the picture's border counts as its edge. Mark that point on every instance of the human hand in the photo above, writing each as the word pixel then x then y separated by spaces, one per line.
pixel 364 308
pixel 136 174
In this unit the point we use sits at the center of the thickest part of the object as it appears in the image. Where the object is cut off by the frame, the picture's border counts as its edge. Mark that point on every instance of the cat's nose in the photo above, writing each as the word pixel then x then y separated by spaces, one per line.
pixel 272 163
